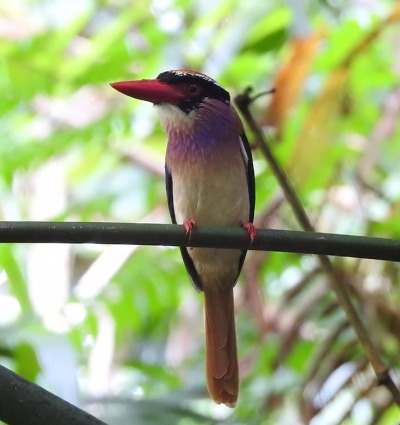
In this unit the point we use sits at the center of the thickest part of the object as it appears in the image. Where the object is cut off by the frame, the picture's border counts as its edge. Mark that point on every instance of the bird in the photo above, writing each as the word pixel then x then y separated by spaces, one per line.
pixel 209 178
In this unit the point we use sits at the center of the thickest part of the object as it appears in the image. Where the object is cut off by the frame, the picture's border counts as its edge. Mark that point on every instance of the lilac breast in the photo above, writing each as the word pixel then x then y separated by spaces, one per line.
pixel 212 132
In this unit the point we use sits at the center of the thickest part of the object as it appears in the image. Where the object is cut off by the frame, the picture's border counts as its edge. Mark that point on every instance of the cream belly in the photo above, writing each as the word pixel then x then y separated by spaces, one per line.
pixel 214 195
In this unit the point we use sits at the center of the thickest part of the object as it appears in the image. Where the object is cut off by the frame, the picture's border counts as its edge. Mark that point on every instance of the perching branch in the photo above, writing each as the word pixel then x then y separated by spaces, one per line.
pixel 216 237
pixel 243 102
pixel 25 403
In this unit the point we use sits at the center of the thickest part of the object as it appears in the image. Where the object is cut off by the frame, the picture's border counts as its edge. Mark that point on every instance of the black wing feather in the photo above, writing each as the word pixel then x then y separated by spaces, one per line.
pixel 250 176
pixel 194 276
pixel 251 184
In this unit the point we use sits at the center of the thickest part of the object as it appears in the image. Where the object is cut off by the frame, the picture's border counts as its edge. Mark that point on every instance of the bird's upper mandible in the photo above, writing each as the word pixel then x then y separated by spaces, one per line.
pixel 183 88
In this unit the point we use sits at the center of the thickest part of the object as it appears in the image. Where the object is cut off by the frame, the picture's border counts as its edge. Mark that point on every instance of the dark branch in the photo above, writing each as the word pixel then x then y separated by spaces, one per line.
pixel 216 237
pixel 25 403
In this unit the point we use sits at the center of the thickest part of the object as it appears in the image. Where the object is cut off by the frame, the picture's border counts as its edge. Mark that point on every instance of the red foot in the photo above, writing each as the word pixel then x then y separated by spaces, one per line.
pixel 251 230
pixel 189 225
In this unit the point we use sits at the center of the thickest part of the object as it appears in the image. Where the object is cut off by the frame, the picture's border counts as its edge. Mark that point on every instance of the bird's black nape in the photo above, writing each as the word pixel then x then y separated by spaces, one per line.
pixel 209 88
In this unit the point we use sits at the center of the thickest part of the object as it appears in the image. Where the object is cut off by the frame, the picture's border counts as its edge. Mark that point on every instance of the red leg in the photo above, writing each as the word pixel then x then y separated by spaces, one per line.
pixel 189 225
pixel 251 230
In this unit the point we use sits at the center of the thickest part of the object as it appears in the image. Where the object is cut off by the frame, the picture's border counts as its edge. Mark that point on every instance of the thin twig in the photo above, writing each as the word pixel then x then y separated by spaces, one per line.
pixel 243 102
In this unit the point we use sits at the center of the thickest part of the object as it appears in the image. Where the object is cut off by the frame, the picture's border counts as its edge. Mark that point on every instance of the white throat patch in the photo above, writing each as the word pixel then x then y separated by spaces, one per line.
pixel 172 117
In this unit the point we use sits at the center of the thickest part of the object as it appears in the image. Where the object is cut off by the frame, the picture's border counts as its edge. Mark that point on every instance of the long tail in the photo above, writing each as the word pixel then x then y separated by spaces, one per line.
pixel 221 353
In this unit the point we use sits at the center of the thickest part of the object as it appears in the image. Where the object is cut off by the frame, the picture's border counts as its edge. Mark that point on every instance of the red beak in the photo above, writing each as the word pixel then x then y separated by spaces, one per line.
pixel 153 91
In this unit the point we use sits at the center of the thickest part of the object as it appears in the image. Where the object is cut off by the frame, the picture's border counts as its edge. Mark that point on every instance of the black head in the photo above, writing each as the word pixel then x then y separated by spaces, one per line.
pixel 193 88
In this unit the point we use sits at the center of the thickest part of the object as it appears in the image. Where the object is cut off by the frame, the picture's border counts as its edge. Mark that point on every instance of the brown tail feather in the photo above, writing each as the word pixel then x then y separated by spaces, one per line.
pixel 221 353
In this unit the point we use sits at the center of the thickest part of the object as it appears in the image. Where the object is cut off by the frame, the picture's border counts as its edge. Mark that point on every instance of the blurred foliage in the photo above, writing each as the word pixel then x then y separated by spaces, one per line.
pixel 119 330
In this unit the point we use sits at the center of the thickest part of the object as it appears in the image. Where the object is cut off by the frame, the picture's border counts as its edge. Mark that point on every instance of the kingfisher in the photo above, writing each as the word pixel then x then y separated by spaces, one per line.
pixel 209 180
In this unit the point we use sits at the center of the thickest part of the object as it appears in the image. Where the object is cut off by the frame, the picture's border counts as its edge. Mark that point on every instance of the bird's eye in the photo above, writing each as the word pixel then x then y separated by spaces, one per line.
pixel 193 89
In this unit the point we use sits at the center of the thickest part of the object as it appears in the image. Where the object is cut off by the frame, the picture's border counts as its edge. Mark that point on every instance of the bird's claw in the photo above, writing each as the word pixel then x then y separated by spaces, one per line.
pixel 189 225
pixel 251 230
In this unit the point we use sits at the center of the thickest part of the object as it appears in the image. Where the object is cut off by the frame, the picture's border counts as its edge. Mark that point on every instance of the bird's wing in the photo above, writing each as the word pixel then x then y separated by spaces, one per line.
pixel 246 149
pixel 248 160
pixel 170 194
pixel 185 255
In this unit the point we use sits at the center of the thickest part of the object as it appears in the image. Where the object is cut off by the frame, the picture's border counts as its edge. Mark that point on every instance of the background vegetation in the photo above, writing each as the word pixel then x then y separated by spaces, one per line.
pixel 118 330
